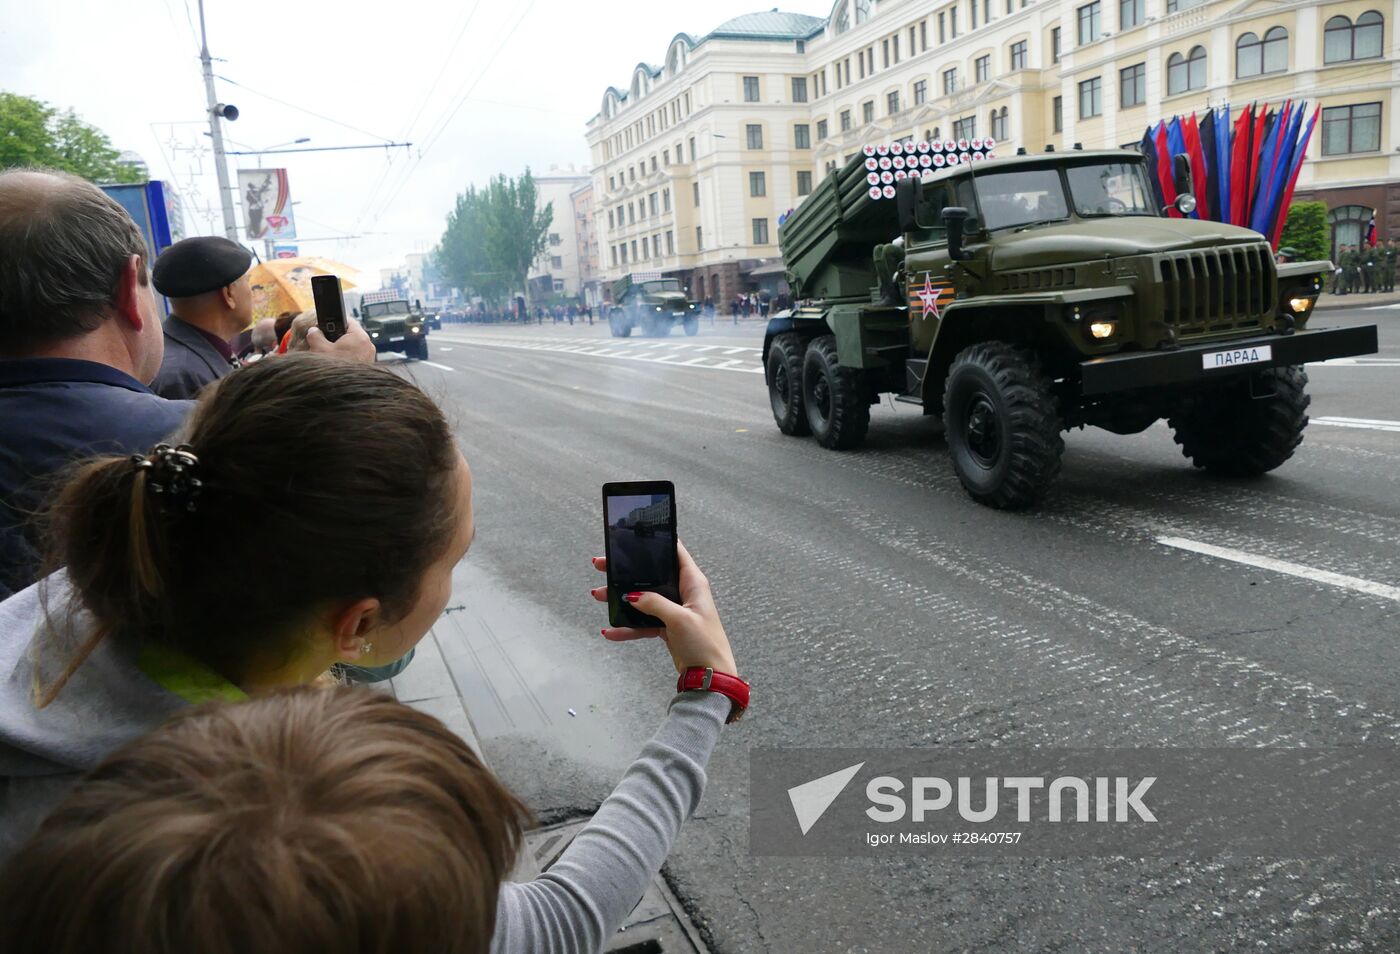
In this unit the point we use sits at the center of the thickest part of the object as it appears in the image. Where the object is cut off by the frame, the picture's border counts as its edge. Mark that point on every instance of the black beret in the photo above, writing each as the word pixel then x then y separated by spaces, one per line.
pixel 198 265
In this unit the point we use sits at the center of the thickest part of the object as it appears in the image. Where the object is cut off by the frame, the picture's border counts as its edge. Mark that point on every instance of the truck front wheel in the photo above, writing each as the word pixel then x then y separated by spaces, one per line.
pixel 785 385
pixel 837 410
pixel 620 327
pixel 1239 434
pixel 691 325
pixel 1002 420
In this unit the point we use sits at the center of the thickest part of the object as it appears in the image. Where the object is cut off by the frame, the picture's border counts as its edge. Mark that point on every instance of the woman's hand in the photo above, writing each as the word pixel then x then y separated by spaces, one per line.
pixel 693 633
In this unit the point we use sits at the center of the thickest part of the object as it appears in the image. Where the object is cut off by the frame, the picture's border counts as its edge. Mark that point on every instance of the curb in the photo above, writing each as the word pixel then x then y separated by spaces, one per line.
pixel 1338 302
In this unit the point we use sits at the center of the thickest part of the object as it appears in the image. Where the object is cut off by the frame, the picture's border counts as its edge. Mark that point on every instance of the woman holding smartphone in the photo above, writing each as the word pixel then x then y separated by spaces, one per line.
pixel 310 514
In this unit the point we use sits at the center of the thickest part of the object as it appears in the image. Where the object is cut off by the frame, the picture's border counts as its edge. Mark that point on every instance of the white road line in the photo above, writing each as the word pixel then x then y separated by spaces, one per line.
pixel 434 364
pixel 1283 566
pixel 698 360
pixel 1358 422
pixel 1357 363
pixel 444 350
pixel 639 352
pixel 729 363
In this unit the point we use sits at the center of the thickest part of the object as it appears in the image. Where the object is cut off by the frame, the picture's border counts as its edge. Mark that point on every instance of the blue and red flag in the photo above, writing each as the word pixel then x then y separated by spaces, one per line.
pixel 1298 157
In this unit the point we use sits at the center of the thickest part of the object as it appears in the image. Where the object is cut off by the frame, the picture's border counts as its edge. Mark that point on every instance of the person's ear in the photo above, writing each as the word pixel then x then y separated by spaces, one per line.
pixel 128 299
pixel 230 299
pixel 351 626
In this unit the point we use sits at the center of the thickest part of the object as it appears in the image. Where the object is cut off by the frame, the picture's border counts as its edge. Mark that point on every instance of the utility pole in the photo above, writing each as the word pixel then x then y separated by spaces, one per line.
pixel 216 132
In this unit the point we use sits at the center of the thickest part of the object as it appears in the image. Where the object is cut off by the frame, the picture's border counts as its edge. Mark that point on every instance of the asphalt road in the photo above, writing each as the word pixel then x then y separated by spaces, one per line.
pixel 871 603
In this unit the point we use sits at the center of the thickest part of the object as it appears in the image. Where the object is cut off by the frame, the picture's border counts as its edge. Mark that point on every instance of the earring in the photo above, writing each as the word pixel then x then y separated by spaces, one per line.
pixel 366 648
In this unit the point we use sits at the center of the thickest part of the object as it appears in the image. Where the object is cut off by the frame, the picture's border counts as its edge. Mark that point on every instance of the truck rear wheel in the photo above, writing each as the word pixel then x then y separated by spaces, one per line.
pixel 837 411
pixel 785 385
pixel 417 349
pixel 1003 425
pixel 1236 434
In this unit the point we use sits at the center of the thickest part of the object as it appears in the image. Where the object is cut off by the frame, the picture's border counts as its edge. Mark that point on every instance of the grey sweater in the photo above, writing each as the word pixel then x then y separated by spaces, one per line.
pixel 576 906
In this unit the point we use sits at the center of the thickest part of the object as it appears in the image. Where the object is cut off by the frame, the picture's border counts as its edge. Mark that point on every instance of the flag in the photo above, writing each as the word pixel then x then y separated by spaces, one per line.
pixel 1371 231
pixel 1164 171
pixel 1283 164
pixel 1149 152
pixel 1220 169
pixel 1239 165
pixel 1251 182
pixel 1210 186
pixel 1299 155
pixel 1191 138
pixel 1260 217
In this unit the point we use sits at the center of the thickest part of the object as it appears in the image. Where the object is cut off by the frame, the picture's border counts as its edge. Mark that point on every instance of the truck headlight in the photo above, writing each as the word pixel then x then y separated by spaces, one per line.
pixel 1300 306
pixel 374 334
pixel 1103 329
pixel 658 307
pixel 416 329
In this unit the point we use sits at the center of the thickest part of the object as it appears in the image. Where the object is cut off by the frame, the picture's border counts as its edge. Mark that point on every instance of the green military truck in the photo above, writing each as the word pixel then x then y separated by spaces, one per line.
pixel 1022 296
pixel 653 303
pixel 392 324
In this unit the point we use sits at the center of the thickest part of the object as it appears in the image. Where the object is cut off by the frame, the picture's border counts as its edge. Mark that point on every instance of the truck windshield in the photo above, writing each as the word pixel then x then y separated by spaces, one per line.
pixel 666 285
pixel 1022 197
pixel 1109 188
pixel 380 309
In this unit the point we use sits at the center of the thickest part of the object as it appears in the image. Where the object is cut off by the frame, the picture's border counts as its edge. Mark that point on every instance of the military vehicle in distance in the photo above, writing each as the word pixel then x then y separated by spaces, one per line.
pixel 393 324
pixel 652 302
pixel 1022 296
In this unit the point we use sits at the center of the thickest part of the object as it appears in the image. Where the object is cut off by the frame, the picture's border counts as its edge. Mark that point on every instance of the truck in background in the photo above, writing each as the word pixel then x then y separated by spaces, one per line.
pixel 390 321
pixel 652 302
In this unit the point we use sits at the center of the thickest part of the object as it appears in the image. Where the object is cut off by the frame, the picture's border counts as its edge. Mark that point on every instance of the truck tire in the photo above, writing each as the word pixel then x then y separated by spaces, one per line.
pixel 837 411
pixel 1238 435
pixel 417 349
pixel 619 327
pixel 692 326
pixel 1002 421
pixel 785 385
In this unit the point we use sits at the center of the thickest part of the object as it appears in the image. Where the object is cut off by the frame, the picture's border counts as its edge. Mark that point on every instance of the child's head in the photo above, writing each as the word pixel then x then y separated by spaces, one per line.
pixel 307 820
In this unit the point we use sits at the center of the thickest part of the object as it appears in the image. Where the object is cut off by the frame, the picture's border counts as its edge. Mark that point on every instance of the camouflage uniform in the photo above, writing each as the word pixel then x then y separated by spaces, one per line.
pixel 1388 255
pixel 1351 270
pixel 1369 269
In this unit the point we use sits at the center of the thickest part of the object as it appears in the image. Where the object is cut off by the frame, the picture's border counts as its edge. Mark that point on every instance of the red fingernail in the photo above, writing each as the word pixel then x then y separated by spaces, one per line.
pixel 632 597
pixel 602 632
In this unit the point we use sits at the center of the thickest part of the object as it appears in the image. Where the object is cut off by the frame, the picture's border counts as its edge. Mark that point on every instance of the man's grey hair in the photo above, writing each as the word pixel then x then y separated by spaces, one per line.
pixel 64 244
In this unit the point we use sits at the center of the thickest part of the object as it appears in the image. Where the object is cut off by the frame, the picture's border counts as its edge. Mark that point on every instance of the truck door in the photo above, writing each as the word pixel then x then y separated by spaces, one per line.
pixel 926 261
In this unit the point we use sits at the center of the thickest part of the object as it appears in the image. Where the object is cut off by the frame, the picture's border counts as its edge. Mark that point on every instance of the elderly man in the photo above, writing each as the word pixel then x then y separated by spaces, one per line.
pixel 80 340
pixel 211 300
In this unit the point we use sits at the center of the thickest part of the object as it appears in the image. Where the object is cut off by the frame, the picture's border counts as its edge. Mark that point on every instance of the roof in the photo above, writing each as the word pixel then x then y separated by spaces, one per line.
pixel 770 25
pixel 1034 160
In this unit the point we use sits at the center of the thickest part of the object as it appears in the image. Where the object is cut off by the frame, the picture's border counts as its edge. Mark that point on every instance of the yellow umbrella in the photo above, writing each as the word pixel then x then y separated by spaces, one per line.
pixel 284 284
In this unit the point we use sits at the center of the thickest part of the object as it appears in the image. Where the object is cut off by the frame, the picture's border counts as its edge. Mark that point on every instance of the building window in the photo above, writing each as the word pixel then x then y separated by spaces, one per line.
pixel 1173 6
pixel 1344 41
pixel 821 129
pixel 802 136
pixel 755 136
pixel 692 147
pixel 1090 22
pixel 612 183
pixel 666 200
pixel 892 101
pixel 670 243
pixel 973 5
pixel 799 89
pixel 631 214
pixel 1059 111
pixel 950 81
pixel 1185 73
pixel 942 30
pixel 1350 129
pixel 610 218
pixel 1254 57
pixel 554 239
pixel 1132 85
pixel 1055 45
pixel 758 185
pixel 699 238
pixel 556 261
pixel 1018 55
pixel 665 157
pixel 750 89
pixel 965 128
pixel 695 189
pixel 999 123
pixel 635 256
pixel 953 21
pixel 867 111
pixel 651 203
pixel 920 92
pixel 845 120
pixel 623 246
pixel 1091 98
pixel 614 254
pixel 804 182
pixel 760 231
pixel 885 52
pixel 923 38
pixel 1130 13
pixel 982 67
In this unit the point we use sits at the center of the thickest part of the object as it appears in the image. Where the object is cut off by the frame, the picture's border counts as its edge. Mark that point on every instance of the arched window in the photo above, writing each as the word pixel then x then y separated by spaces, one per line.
pixel 1254 56
pixel 1348 225
pixel 999 124
pixel 1344 41
pixel 862 11
pixel 1276 50
pixel 1185 73
pixel 842 21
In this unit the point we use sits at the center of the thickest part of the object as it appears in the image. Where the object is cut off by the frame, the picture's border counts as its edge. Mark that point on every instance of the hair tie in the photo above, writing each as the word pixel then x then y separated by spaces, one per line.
pixel 171 475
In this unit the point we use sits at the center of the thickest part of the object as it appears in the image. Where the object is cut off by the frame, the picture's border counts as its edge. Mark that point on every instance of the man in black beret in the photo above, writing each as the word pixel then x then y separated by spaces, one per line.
pixel 211 302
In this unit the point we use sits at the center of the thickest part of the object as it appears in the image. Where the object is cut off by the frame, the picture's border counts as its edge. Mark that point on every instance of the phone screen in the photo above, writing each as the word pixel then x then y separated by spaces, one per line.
pixel 639 533
pixel 330 305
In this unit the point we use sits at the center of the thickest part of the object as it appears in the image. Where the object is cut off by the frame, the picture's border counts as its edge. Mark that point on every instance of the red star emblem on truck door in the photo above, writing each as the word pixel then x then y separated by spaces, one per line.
pixel 928 296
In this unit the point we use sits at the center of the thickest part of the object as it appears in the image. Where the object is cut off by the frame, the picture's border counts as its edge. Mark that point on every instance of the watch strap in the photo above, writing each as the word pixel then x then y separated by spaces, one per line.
pixel 702 679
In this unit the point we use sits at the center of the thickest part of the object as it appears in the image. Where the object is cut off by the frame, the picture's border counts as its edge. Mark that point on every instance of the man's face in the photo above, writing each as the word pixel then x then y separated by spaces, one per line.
pixel 243 301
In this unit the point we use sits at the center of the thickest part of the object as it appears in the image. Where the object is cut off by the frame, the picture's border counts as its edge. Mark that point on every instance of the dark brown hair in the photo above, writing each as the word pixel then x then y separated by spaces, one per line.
pixel 308 820
pixel 64 244
pixel 323 481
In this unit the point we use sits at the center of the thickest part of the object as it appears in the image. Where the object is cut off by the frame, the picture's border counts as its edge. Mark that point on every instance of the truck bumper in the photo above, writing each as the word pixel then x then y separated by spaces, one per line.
pixel 1199 364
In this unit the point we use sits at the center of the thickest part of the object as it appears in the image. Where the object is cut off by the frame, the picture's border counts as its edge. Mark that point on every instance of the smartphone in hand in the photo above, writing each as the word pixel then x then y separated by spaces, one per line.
pixel 639 538
pixel 330 305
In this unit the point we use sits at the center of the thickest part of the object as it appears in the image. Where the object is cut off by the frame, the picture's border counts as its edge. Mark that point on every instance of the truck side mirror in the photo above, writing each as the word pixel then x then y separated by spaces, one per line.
pixel 1181 174
pixel 906 199
pixel 955 221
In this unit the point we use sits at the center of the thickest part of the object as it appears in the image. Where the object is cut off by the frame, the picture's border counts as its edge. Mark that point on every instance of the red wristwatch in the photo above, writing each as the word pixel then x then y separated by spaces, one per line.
pixel 736 689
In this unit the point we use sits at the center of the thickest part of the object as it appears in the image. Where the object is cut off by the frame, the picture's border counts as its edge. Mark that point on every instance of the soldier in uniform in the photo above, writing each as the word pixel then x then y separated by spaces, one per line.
pixel 1369 268
pixel 1388 255
pixel 1351 272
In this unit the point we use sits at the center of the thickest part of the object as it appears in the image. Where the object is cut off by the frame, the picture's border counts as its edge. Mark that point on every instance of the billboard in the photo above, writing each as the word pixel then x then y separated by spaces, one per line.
pixel 285 251
pixel 267 203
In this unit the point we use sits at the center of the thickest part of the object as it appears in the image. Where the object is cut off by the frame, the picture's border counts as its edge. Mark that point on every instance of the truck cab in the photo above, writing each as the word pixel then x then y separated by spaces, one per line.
pixel 653 303
pixel 393 324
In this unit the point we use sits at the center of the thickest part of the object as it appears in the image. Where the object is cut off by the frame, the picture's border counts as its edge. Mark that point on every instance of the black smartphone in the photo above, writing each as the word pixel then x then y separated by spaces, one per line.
pixel 639 539
pixel 330 305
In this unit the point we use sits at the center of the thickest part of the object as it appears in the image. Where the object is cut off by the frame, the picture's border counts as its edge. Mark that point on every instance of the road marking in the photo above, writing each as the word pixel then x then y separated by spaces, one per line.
pixel 695 361
pixel 1359 422
pixel 444 349
pixel 629 351
pixel 1357 363
pixel 434 364
pixel 1283 566
pixel 729 363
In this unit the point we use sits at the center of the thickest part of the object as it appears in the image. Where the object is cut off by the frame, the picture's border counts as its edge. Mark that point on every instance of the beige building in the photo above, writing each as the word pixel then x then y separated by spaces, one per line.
pixel 586 231
pixel 558 271
pixel 696 160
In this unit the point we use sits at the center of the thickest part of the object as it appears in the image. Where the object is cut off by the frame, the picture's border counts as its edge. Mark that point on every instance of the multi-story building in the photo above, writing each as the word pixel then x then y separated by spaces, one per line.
pixel 557 272
pixel 696 161
pixel 585 228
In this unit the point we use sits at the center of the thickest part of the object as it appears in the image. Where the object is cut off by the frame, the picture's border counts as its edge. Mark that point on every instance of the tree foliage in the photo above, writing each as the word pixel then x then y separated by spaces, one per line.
pixel 33 133
pixel 493 235
pixel 1307 232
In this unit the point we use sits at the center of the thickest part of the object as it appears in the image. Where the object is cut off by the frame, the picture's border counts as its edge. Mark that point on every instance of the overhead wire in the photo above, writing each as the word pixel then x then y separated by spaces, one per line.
pixel 303 109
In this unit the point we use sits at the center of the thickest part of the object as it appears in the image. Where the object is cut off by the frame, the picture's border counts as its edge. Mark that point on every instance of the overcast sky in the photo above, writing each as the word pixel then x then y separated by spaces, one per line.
pixel 523 78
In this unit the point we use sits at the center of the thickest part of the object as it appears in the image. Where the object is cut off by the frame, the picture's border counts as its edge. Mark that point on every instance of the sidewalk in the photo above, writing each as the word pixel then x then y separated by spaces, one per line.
pixel 1331 301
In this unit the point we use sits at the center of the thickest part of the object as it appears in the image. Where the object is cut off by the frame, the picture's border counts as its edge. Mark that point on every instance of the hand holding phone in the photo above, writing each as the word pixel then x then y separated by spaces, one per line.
pixel 330 306
pixel 639 536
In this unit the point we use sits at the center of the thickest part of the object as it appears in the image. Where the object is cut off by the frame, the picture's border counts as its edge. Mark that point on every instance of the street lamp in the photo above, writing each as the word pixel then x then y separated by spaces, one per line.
pixel 294 142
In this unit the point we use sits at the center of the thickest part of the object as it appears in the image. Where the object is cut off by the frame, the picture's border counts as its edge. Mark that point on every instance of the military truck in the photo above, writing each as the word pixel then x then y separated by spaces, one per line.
pixel 393 324
pixel 1019 297
pixel 653 303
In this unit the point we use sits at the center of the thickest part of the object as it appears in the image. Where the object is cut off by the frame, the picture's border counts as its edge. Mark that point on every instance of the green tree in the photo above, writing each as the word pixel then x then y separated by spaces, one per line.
pixel 493 235
pixel 33 133
pixel 1307 232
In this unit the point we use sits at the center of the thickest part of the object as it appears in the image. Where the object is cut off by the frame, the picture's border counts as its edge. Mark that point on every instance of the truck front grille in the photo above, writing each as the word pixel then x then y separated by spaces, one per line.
pixel 1039 279
pixel 1219 289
